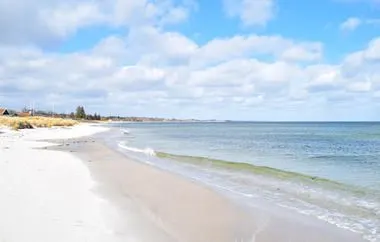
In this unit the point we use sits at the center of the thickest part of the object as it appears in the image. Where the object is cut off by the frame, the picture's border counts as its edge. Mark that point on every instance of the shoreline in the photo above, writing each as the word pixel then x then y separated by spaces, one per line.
pixel 181 209
pixel 256 224
pixel 144 203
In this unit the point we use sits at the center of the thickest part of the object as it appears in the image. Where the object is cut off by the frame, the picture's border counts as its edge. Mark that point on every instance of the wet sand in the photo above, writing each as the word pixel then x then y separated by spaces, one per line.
pixel 153 200
pixel 173 208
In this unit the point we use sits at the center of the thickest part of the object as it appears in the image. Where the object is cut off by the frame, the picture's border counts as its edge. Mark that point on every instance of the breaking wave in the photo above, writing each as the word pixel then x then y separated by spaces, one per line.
pixel 146 151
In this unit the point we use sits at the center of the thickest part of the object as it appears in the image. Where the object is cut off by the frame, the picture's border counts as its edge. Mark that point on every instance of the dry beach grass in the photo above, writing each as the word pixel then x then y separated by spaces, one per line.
pixel 17 123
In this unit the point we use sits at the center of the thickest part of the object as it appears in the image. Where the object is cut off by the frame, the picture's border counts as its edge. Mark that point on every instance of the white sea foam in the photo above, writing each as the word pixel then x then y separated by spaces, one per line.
pixel 147 151
pixel 125 131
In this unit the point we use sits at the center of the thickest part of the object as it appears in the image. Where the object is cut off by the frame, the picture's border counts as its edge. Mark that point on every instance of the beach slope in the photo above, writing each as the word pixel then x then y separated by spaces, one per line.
pixel 75 188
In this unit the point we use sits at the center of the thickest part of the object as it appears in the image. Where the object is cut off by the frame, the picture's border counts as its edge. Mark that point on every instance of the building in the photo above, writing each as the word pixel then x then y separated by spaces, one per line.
pixel 24 114
pixel 3 111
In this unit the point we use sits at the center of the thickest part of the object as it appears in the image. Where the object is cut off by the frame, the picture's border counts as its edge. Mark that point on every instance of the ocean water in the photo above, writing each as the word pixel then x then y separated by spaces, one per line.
pixel 327 170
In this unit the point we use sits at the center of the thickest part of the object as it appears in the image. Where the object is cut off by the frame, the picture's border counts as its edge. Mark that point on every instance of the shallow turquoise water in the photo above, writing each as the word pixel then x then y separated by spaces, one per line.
pixel 346 154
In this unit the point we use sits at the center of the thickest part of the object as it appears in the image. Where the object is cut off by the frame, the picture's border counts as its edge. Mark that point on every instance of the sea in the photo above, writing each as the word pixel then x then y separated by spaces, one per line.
pixel 328 170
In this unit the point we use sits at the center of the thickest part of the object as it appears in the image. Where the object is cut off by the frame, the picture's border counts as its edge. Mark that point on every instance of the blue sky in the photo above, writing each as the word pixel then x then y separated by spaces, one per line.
pixel 223 59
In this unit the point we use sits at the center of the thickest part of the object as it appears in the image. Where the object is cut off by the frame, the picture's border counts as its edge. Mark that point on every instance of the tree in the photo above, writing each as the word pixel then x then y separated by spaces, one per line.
pixel 93 117
pixel 97 116
pixel 80 113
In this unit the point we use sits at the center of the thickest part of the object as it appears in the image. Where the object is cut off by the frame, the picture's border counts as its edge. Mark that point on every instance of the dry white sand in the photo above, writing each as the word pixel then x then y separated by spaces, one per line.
pixel 47 195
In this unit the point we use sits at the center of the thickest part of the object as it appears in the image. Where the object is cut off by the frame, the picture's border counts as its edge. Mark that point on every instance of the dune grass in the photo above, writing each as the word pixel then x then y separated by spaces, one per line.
pixel 17 123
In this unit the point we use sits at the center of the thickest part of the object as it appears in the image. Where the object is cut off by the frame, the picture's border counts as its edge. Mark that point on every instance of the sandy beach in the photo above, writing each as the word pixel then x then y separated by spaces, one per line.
pixel 50 195
pixel 47 195
pixel 75 188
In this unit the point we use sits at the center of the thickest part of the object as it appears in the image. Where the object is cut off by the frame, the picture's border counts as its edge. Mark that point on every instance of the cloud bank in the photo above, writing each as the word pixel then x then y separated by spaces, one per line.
pixel 154 70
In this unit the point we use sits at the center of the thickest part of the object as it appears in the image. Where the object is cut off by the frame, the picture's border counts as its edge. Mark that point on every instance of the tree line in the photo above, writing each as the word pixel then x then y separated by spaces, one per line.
pixel 80 113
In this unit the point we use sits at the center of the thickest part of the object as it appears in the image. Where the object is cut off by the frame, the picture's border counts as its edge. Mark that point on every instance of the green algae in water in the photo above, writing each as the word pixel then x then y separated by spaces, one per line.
pixel 265 171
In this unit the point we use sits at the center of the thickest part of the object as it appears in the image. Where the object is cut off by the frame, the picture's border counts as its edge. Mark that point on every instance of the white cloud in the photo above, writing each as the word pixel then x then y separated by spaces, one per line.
pixel 98 77
pixel 153 71
pixel 359 86
pixel 139 74
pixel 138 12
pixel 303 52
pixel 350 24
pixel 255 45
pixel 250 12
pixel 150 45
pixel 366 60
pixel 373 51
pixel 175 15
pixel 102 78
pixel 362 69
pixel 323 78
pixel 43 22
pixel 353 23
pixel 66 19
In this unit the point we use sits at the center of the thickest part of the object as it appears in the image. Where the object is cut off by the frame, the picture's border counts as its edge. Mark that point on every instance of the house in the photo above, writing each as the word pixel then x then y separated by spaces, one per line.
pixel 24 114
pixel 3 111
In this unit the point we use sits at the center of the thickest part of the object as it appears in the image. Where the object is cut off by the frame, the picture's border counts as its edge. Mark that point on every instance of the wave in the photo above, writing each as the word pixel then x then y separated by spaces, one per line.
pixel 125 131
pixel 264 171
pixel 147 151
pixel 249 168
pixel 344 205
pixel 242 166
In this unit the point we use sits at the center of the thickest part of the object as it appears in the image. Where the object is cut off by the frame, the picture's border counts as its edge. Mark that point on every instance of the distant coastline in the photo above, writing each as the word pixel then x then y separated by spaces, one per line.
pixel 158 120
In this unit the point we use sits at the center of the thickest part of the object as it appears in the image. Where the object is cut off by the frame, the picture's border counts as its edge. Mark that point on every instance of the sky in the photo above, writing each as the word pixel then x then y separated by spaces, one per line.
pixel 261 60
